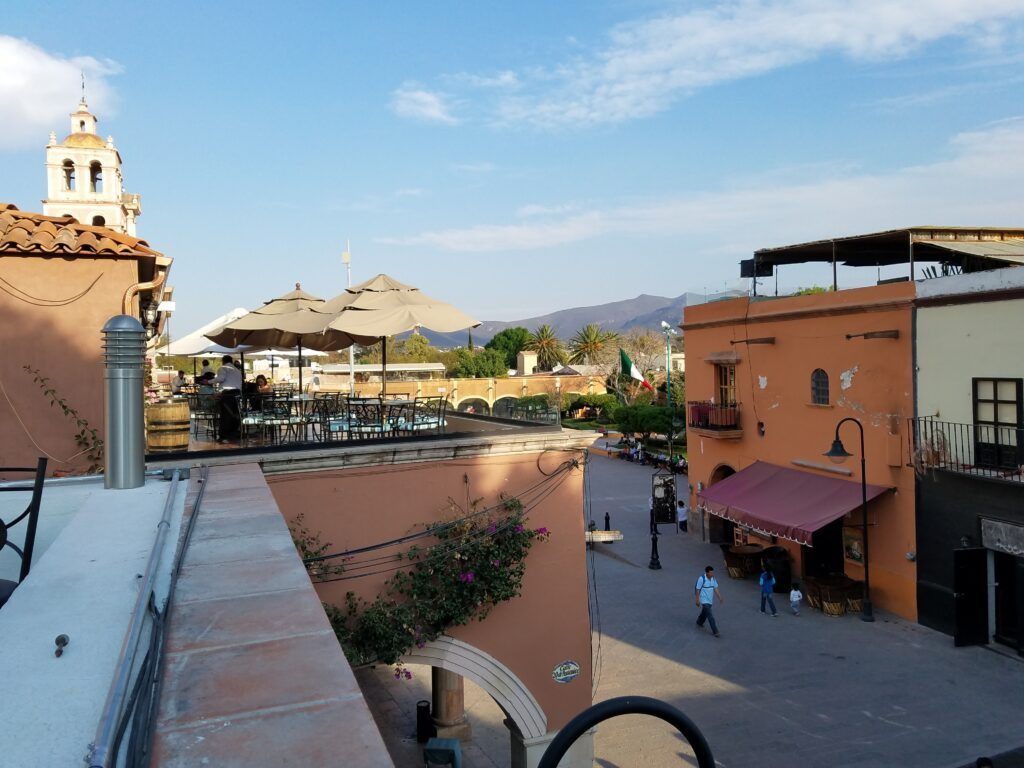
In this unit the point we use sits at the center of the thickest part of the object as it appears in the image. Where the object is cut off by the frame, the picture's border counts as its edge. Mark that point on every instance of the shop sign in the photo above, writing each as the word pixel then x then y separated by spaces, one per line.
pixel 566 672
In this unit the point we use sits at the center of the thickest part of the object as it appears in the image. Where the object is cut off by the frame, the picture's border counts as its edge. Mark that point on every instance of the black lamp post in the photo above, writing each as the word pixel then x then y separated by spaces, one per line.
pixel 838 454
pixel 655 563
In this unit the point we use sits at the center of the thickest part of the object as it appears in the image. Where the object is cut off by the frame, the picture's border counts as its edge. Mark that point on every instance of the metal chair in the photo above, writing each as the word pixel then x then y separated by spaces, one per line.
pixel 31 512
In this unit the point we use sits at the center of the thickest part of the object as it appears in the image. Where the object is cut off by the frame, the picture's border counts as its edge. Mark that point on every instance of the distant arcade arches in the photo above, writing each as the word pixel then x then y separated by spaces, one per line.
pixel 503 406
pixel 474 405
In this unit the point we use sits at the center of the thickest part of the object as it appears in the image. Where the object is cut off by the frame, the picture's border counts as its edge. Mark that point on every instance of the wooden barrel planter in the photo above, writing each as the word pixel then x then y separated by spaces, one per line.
pixel 167 426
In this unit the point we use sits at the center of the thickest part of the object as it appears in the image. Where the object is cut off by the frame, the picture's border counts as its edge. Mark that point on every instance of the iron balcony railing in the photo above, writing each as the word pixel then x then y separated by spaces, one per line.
pixel 983 450
pixel 707 414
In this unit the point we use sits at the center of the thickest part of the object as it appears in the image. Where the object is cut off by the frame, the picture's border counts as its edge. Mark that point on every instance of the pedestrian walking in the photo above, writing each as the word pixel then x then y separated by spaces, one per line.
pixel 704 593
pixel 767 582
pixel 795 596
pixel 682 515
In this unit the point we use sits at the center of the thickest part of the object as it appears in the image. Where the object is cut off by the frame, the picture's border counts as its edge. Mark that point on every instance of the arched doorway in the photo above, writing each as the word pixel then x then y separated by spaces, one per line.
pixel 503 407
pixel 526 719
pixel 720 530
pixel 475 405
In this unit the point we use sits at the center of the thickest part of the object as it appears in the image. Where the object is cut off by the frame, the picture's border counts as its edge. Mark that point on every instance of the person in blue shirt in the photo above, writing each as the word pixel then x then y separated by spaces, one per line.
pixel 767 581
pixel 705 590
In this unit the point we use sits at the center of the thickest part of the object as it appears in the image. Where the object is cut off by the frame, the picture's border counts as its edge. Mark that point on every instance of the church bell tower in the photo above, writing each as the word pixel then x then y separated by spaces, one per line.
pixel 83 177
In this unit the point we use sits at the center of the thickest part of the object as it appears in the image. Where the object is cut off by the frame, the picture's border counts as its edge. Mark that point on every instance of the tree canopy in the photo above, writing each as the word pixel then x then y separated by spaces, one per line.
pixel 509 342
pixel 548 347
pixel 592 344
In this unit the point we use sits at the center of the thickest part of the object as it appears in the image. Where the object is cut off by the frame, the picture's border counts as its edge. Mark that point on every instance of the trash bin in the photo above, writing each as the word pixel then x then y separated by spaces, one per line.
pixel 424 724
pixel 777 558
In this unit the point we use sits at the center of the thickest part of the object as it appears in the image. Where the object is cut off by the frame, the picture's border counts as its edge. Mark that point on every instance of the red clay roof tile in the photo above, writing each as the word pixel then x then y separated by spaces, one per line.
pixel 33 233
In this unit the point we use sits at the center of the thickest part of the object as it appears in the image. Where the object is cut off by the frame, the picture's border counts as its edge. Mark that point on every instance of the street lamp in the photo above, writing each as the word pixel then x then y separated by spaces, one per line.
pixel 669 332
pixel 837 454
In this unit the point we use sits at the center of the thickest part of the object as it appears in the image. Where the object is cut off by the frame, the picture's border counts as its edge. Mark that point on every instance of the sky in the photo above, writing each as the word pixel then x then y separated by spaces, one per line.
pixel 519 158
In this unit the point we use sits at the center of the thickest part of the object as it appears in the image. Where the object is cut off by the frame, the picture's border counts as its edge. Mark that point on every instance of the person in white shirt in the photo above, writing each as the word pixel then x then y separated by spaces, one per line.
pixel 682 515
pixel 795 596
pixel 177 383
pixel 230 380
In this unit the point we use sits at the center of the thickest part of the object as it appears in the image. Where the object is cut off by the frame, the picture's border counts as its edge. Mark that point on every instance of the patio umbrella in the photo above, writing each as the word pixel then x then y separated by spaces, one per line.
pixel 383 307
pixel 295 319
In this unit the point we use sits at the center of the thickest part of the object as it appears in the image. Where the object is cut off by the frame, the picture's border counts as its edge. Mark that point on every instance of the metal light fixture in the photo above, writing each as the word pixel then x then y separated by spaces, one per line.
pixel 837 454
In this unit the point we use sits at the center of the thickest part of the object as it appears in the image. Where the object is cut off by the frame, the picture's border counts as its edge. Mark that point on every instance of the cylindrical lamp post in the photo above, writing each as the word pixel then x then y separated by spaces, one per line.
pixel 124 452
pixel 838 454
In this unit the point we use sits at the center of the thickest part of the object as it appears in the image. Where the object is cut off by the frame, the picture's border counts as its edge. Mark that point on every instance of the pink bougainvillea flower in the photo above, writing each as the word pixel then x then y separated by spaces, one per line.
pixel 542 532
pixel 467 577
pixel 496 563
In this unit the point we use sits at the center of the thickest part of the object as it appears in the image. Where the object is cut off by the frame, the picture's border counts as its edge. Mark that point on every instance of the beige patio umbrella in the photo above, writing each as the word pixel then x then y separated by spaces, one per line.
pixel 383 307
pixel 295 319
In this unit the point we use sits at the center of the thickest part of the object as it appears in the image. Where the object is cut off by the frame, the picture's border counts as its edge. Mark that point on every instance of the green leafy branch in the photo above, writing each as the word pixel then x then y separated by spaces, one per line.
pixel 87 438
pixel 477 562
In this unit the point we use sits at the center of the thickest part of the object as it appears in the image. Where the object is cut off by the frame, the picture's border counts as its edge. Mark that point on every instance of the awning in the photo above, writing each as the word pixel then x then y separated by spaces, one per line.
pixel 783 502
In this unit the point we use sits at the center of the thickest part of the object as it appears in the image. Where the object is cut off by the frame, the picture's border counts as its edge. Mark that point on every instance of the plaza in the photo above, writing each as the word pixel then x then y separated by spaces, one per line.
pixel 811 690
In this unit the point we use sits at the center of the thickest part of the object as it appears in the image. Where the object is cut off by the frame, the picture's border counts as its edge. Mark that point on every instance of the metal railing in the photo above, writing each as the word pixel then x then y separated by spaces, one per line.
pixel 707 414
pixel 982 450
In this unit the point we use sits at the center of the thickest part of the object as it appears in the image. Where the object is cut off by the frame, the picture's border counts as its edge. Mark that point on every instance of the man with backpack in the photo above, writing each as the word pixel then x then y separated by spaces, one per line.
pixel 704 592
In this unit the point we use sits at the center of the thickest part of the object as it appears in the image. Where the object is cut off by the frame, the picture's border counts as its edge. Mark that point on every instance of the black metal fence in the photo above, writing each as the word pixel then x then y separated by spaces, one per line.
pixel 707 414
pixel 984 450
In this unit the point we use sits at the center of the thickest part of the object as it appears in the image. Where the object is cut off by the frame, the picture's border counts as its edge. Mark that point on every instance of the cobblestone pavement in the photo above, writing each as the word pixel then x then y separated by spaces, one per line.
pixel 808 690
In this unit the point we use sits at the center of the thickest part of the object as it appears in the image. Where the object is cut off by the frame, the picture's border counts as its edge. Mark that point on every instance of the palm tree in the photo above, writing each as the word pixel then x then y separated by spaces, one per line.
pixel 590 342
pixel 548 347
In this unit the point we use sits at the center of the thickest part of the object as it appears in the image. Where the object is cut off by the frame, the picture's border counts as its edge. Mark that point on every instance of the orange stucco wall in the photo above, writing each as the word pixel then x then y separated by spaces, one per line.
pixel 531 634
pixel 868 379
pixel 63 342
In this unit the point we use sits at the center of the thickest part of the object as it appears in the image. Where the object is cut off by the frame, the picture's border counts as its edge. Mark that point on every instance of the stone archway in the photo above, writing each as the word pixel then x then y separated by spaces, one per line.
pixel 503 406
pixel 474 405
pixel 490 674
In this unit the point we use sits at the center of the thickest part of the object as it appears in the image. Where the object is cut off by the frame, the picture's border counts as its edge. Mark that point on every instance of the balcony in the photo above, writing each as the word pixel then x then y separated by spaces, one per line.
pixel 981 450
pixel 710 419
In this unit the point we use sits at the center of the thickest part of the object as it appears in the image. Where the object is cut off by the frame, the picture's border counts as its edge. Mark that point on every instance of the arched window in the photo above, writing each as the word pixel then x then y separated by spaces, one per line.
pixel 69 175
pixel 99 221
pixel 81 125
pixel 819 387
pixel 95 176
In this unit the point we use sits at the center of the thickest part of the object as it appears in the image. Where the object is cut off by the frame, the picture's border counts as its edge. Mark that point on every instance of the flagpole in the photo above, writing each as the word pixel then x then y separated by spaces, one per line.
pixel 346 258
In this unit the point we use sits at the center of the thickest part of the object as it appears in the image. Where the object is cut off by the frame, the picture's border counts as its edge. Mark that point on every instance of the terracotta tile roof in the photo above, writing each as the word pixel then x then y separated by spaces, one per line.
pixel 34 233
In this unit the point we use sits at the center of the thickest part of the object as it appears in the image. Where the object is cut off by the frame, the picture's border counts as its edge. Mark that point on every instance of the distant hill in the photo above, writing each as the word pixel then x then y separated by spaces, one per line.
pixel 644 311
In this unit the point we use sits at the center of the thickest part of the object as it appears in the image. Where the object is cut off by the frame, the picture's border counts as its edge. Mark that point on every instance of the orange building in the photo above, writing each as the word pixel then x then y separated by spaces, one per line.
pixel 769 380
pixel 60 281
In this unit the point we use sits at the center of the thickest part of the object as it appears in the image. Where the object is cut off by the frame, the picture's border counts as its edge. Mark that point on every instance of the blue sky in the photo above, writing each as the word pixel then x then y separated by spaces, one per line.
pixel 517 158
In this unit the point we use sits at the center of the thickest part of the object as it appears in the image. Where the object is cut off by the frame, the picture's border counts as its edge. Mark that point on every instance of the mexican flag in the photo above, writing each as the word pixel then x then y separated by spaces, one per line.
pixel 628 369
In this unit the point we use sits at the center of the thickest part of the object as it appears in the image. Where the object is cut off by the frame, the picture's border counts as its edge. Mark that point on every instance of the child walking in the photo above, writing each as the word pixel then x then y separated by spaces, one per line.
pixel 795 596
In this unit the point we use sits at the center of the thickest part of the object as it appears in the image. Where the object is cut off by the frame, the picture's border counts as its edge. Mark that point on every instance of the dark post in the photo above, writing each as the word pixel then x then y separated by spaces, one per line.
pixel 839 454
pixel 607 521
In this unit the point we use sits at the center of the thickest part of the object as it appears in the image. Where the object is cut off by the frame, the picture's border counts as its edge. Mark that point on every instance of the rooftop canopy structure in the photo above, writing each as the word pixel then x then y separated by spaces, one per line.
pixel 955 249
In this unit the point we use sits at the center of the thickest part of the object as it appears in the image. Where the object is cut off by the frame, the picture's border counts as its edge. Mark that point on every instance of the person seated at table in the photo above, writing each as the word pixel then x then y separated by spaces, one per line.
pixel 263 386
pixel 177 383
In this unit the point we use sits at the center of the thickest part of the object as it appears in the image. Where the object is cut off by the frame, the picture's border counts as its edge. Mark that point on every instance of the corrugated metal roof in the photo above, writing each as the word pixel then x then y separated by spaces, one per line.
pixel 1010 251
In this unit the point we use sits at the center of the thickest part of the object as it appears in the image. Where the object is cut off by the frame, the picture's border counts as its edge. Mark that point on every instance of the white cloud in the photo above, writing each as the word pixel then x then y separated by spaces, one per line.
pixel 38 90
pixel 977 185
pixel 649 64
pixel 417 103
pixel 527 211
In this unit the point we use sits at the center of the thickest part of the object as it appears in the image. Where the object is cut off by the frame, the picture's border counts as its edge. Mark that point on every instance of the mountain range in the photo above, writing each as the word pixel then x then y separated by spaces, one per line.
pixel 644 311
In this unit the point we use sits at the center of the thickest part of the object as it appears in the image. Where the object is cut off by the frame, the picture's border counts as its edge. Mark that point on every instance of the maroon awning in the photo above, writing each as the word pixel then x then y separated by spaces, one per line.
pixel 778 501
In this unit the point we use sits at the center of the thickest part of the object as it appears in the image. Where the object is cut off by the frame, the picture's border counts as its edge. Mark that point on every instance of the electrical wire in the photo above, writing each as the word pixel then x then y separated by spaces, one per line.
pixel 40 448
pixel 472 538
pixel 565 466
pixel 36 301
